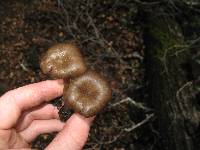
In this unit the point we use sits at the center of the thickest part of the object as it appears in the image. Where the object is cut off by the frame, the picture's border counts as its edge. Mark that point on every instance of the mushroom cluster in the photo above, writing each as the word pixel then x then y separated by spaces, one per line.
pixel 87 92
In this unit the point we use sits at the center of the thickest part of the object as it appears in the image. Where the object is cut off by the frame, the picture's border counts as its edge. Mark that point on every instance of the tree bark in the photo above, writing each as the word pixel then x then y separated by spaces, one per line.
pixel 171 93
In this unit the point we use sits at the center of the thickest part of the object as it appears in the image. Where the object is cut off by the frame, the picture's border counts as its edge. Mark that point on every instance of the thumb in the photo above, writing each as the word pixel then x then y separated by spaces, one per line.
pixel 74 134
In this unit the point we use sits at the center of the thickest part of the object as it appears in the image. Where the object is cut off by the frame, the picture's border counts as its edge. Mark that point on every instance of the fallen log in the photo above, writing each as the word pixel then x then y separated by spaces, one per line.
pixel 170 89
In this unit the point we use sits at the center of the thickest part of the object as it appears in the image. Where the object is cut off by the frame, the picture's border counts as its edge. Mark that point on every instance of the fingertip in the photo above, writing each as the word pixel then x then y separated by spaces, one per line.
pixel 60 82
pixel 81 118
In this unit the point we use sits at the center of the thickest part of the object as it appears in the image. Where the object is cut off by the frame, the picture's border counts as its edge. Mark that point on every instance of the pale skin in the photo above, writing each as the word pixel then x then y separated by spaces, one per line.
pixel 25 113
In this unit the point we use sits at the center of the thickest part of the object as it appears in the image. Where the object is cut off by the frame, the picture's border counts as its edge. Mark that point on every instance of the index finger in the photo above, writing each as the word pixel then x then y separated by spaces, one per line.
pixel 14 102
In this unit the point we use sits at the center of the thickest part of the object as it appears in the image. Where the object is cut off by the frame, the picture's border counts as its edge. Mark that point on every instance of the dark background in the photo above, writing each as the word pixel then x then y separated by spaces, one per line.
pixel 111 35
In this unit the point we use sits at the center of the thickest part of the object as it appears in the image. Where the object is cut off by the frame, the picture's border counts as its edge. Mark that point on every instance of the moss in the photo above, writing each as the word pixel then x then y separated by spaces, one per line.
pixel 166 34
pixel 166 43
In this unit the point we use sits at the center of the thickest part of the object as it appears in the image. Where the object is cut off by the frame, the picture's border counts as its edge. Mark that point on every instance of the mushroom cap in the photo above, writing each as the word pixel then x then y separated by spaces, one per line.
pixel 87 94
pixel 63 61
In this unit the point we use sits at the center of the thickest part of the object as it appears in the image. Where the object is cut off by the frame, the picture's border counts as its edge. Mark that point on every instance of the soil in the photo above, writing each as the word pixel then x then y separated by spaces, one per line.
pixel 110 38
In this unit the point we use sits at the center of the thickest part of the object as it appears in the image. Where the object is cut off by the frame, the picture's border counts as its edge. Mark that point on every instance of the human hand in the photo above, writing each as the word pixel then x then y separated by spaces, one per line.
pixel 24 115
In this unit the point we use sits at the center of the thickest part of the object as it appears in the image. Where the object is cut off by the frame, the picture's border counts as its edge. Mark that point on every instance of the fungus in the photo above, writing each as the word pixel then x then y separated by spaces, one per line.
pixel 87 94
pixel 63 61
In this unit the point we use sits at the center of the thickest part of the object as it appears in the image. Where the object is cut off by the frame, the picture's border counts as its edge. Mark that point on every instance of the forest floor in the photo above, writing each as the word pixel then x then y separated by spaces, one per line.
pixel 110 38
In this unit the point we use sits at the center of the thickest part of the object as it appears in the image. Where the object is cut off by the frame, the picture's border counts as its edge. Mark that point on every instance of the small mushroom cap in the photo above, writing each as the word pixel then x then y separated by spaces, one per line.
pixel 63 61
pixel 87 94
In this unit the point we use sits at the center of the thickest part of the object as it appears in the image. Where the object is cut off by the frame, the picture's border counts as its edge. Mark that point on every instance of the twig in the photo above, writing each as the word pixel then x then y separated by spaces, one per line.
pixel 130 100
pixel 23 67
pixel 147 3
pixel 191 3
pixel 96 31
pixel 135 126
pixel 182 88
pixel 112 140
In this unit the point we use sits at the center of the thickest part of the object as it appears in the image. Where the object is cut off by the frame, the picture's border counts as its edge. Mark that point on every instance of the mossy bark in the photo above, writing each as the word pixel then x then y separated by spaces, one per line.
pixel 169 88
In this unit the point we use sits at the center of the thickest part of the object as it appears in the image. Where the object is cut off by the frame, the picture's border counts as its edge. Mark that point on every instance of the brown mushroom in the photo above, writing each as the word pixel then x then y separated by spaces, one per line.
pixel 87 94
pixel 63 61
